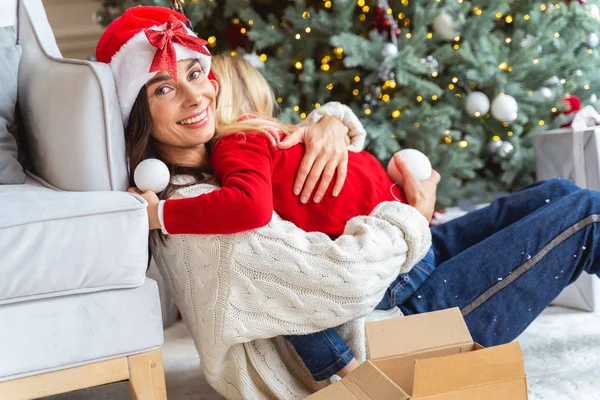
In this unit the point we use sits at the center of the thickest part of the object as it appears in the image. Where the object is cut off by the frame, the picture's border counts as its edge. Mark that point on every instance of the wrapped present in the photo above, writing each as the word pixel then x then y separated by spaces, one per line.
pixel 574 153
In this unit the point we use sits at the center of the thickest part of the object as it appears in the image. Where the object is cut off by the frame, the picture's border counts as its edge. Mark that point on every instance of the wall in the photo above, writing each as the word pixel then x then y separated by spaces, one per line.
pixel 75 29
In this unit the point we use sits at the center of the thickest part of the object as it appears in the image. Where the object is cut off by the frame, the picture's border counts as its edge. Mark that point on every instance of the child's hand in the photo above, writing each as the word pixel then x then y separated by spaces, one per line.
pixel 152 209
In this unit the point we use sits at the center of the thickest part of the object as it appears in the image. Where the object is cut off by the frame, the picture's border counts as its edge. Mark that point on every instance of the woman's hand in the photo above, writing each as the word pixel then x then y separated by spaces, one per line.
pixel 326 153
pixel 419 193
pixel 152 209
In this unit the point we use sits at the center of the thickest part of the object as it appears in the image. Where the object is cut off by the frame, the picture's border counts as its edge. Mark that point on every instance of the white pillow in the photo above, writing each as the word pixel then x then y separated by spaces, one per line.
pixel 8 12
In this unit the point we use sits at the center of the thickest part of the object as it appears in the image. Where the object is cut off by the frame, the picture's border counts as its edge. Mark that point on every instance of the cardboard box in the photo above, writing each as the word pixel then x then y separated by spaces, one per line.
pixel 431 356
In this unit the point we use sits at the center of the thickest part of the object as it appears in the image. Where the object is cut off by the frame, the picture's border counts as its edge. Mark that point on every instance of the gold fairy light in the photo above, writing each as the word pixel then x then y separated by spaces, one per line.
pixel 296 108
pixel 463 143
pixel 368 111
pixel 434 97
pixel 303 115
pixel 419 99
pixel 263 57
pixel 307 30
pixel 306 14
pixel 510 133
pixel 250 22
pixel 357 78
pixel 385 97
pixel 396 114
pixel 496 138
pixel 526 17
pixel 448 139
pixel 328 4
pixel 503 66
pixel 541 123
pixel 361 3
pixel 298 65
pixel 417 125
pixel 243 30
pixel 587 87
pixel 355 92
pixel 408 35
pixel 498 15
pixel 508 19
pixel 429 35
pixel 279 100
pixel 508 40
pixel 325 67
pixel 297 36
pixel 330 86
pixel 365 9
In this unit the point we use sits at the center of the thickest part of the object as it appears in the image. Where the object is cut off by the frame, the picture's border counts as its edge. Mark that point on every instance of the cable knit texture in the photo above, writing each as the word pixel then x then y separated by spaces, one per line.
pixel 356 130
pixel 238 293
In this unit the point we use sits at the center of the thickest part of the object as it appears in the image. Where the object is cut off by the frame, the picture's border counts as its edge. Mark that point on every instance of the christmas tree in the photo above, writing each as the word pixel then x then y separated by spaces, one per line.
pixel 466 82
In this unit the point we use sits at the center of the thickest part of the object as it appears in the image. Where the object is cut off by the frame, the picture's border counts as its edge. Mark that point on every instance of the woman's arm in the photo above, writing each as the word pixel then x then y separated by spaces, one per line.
pixel 280 280
pixel 243 164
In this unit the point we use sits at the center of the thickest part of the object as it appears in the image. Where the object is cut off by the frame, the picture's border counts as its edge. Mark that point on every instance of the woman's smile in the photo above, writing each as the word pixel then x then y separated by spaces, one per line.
pixel 197 120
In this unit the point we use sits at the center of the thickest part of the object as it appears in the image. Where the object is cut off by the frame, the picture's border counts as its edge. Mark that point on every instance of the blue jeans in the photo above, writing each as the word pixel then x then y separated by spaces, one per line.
pixel 325 353
pixel 503 264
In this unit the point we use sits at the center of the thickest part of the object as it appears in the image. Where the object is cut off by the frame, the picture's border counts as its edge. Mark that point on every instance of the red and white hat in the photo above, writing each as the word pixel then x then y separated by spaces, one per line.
pixel 143 41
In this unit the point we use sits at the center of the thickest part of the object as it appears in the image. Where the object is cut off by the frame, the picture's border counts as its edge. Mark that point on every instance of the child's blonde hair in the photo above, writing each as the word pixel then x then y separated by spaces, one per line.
pixel 244 91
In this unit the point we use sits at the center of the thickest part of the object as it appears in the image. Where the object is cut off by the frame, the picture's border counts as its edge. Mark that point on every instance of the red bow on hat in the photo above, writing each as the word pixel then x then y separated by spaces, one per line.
pixel 166 56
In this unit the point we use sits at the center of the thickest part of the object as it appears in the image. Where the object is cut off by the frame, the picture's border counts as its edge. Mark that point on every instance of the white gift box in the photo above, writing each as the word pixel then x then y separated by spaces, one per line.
pixel 574 153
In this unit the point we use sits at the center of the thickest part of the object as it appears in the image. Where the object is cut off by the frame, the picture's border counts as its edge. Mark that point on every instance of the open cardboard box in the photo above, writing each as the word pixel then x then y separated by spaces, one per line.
pixel 431 356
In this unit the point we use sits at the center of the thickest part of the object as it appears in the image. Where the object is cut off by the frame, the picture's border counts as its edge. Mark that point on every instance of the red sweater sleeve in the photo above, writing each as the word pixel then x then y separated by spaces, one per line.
pixel 243 164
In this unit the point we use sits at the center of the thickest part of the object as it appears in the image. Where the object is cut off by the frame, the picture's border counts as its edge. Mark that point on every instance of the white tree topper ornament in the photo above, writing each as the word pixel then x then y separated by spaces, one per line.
pixel 151 174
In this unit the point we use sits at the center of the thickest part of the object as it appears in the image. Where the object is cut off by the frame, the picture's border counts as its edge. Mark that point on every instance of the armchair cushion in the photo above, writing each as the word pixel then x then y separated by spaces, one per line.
pixel 11 171
pixel 56 243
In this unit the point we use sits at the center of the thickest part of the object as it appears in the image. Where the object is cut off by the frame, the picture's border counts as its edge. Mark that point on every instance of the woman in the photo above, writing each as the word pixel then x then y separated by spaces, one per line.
pixel 501 265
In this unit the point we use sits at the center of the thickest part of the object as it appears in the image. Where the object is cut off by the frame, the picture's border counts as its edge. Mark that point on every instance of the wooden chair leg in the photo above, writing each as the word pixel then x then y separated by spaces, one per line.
pixel 147 376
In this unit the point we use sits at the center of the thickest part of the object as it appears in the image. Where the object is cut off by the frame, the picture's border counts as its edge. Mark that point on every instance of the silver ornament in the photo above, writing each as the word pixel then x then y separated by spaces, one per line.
pixel 494 146
pixel 546 92
pixel 506 149
pixel 431 63
pixel 527 41
pixel 593 40
pixel 389 50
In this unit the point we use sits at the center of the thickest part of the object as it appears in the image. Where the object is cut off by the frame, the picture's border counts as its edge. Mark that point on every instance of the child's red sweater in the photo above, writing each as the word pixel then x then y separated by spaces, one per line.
pixel 256 179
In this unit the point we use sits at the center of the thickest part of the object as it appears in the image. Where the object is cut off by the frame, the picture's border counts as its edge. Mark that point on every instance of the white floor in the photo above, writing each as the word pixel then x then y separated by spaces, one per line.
pixel 561 350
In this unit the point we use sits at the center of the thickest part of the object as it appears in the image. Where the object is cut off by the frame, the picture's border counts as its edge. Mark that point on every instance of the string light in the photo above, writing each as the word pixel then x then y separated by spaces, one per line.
pixel 297 36
pixel 505 124
pixel 385 97
pixel 457 38
pixel 434 74
pixel 587 87
pixel 233 54
pixel 236 21
pixel 306 14
pixel 307 30
pixel 303 115
pixel 509 19
pixel 389 11
pixel 456 46
pixel 328 4
pixel 408 35
pixel 508 40
pixel 279 100
pixel 477 114
pixel 541 122
pixel 298 65
pixel 503 66
pixel 434 97
pixel 263 57
pixel 419 99
pixel 543 7
pixel 317 105
pixel 401 15
pixel 404 2
pixel 429 35
pixel 361 3
pixel 557 35
pixel 365 9
pixel 477 10
pixel 590 51
pixel 325 67
pixel 448 139
pixel 362 17
pixel 250 22
pixel 212 40
pixel 454 80
pixel 451 86
pixel 526 17
pixel 357 78
pixel 355 92
pixel 510 133
pixel 498 15
pixel 330 86
pixel 463 143
pixel 338 51
pixel 368 111
pixel 325 60
pixel 536 61
pixel 496 138
pixel 296 108
pixel 396 114
pixel 243 30
pixel 563 81
pixel 417 125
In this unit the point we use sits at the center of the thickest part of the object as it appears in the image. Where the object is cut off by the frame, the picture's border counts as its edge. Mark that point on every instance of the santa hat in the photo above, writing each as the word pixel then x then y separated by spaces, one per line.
pixel 143 41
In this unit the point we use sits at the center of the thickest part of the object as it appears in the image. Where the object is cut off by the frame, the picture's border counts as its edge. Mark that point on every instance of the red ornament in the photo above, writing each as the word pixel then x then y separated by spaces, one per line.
pixel 574 105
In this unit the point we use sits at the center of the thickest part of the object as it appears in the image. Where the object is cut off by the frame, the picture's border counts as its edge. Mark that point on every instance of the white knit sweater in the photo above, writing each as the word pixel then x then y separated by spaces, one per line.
pixel 239 293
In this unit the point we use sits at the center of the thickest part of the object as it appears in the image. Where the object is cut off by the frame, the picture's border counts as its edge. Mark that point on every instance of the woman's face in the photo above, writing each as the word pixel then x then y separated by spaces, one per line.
pixel 182 111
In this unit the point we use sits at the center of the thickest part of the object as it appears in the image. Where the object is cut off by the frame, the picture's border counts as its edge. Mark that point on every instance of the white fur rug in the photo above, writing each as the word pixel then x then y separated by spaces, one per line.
pixel 561 350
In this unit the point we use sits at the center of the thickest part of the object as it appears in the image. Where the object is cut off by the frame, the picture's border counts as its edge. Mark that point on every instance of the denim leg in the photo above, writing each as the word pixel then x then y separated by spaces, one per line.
pixel 324 353
pixel 451 238
pixel 503 282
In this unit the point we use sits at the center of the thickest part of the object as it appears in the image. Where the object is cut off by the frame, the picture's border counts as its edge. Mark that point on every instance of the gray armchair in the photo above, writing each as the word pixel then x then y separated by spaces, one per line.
pixel 76 307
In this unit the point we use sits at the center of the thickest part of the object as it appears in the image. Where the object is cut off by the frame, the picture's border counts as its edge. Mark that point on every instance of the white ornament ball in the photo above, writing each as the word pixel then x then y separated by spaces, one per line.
pixel 546 92
pixel 505 108
pixel 594 10
pixel 443 26
pixel 254 60
pixel 417 163
pixel 151 174
pixel 389 50
pixel 477 104
pixel 593 40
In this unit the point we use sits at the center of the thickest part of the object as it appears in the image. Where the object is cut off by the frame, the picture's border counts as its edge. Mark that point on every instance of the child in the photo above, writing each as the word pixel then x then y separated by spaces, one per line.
pixel 256 179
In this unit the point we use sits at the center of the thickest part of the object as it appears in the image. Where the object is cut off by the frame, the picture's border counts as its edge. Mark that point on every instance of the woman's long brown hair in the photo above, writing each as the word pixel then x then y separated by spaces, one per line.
pixel 140 145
